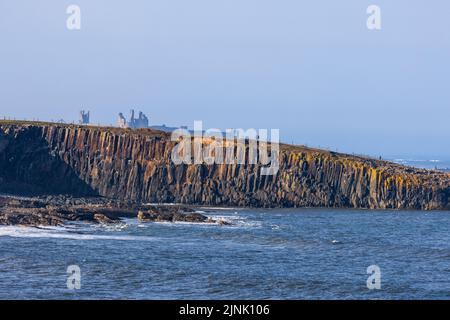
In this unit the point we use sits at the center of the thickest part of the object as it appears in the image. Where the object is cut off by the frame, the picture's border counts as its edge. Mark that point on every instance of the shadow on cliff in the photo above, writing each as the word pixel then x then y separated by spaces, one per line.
pixel 28 167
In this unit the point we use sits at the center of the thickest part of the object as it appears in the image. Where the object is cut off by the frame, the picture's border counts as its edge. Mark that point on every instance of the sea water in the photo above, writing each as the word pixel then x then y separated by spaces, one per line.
pixel 265 254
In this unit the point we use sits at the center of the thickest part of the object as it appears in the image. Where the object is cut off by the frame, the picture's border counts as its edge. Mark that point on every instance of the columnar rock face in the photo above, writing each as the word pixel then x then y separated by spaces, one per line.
pixel 136 165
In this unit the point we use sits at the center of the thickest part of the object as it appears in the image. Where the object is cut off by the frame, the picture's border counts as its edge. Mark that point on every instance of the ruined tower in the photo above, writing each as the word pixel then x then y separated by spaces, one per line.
pixel 133 123
pixel 84 117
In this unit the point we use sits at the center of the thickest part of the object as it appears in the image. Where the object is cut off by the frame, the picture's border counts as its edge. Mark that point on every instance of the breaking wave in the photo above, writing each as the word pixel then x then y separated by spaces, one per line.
pixel 63 233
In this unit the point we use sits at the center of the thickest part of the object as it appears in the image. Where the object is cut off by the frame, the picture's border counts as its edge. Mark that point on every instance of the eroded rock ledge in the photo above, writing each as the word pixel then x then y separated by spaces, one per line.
pixel 58 211
pixel 174 214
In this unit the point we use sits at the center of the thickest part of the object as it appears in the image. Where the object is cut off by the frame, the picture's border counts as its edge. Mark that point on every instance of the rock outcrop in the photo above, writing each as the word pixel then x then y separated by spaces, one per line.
pixel 135 165
pixel 58 211
pixel 159 215
pixel 41 212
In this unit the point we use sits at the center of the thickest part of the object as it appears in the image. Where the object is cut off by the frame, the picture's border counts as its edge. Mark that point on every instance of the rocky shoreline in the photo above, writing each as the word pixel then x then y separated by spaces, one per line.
pixel 60 210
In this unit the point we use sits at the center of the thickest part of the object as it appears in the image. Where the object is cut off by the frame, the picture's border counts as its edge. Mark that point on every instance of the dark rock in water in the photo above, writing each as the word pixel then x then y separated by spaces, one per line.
pixel 101 218
pixel 56 211
pixel 170 215
pixel 51 212
pixel 45 217
pixel 30 217
pixel 190 217
pixel 224 223
pixel 154 216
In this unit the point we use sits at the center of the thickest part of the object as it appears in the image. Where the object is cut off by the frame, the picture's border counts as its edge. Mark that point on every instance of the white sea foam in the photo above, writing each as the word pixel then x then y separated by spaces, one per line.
pixel 218 208
pixel 237 221
pixel 63 233
pixel 180 223
pixel 112 227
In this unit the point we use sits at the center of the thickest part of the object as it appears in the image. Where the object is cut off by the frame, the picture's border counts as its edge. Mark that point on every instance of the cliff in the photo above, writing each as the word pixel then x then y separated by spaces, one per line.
pixel 135 165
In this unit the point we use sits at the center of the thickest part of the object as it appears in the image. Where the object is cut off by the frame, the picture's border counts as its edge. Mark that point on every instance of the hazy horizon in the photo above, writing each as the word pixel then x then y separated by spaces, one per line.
pixel 313 70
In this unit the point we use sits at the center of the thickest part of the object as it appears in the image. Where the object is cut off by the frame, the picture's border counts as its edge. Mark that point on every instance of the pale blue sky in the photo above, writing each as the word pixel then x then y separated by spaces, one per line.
pixel 310 68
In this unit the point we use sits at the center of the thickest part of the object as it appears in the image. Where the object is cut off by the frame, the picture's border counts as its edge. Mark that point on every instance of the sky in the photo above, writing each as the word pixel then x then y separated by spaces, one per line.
pixel 309 68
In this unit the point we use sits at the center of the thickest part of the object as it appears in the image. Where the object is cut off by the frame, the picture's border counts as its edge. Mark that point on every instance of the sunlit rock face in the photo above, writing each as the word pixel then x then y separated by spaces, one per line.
pixel 135 165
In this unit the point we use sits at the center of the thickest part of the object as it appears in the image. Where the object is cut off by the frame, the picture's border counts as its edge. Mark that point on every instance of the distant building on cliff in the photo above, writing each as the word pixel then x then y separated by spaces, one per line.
pixel 84 117
pixel 133 123
pixel 165 128
pixel 142 122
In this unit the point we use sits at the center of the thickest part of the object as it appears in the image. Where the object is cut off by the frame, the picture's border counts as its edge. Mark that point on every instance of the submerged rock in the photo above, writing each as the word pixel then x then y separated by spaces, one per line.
pixel 224 223
pixel 101 218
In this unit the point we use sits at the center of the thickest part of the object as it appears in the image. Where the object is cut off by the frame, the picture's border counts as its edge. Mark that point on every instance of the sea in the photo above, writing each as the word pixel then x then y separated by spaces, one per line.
pixel 264 254
pixel 423 162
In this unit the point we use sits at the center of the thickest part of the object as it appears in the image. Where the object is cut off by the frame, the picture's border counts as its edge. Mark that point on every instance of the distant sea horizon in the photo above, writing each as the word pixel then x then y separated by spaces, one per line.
pixel 430 163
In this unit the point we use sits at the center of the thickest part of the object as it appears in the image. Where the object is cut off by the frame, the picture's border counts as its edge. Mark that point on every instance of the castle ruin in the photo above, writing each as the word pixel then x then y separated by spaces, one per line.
pixel 133 123
pixel 84 117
